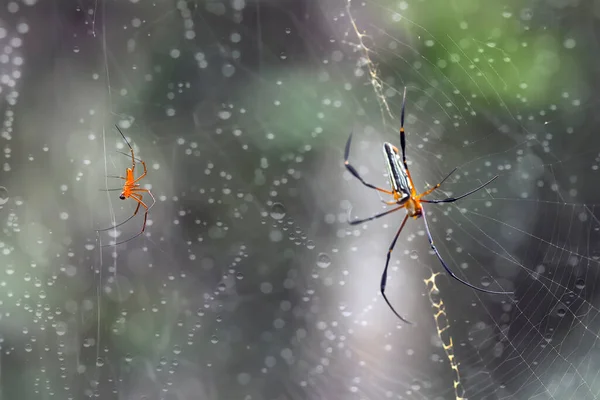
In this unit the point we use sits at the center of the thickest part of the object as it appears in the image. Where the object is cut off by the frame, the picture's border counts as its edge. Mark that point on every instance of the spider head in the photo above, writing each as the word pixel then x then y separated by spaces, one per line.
pixel 122 196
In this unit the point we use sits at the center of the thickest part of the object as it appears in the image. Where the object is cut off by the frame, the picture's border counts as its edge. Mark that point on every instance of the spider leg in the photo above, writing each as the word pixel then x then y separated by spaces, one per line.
pixel 138 198
pixel 402 134
pixel 128 155
pixel 134 190
pixel 134 214
pixel 116 176
pixel 360 221
pixel 425 193
pixel 133 164
pixel 403 142
pixel 144 174
pixel 130 148
pixel 354 172
pixel 437 253
pixel 133 158
pixel 111 190
pixel 385 270
pixel 453 199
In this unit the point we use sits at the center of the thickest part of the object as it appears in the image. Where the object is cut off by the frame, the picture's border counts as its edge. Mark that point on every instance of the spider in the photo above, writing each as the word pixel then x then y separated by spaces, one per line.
pixel 131 189
pixel 405 196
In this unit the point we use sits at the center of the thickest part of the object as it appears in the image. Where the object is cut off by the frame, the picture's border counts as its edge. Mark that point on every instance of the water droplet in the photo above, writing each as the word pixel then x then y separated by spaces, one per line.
pixel 323 260
pixel 561 312
pixel 28 347
pixel 580 284
pixel 239 276
pixel 243 378
pixel 526 14
pixel 310 245
pixel 277 211
pixel 486 281
pixel 3 195
pixel 214 339
pixel 266 287
pixel 99 361
pixel 224 115
pixel 61 328
pixel 176 349
pixel 128 358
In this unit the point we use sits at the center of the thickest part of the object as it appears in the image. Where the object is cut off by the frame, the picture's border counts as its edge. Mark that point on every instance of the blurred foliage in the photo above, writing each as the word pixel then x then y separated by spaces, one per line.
pixel 491 49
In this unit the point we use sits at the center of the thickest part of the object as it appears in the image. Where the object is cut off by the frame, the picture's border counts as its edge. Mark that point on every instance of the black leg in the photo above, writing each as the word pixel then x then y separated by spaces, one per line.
pixel 130 148
pixel 139 198
pixel 453 199
pixel 360 221
pixel 385 270
pixel 116 226
pixel 354 172
pixel 133 237
pixel 403 143
pixel 437 253
pixel 129 155
pixel 402 134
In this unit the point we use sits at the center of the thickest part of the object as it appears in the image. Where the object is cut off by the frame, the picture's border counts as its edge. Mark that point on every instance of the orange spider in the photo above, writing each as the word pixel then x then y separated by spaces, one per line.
pixel 131 189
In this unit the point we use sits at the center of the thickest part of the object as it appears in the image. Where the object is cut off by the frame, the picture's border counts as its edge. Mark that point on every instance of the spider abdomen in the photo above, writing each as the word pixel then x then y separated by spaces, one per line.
pixel 398 175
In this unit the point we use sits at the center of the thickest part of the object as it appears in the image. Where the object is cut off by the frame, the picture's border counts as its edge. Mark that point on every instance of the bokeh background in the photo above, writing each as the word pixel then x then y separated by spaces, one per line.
pixel 248 282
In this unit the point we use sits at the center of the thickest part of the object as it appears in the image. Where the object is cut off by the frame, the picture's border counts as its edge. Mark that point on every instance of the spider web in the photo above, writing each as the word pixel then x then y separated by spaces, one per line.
pixel 248 282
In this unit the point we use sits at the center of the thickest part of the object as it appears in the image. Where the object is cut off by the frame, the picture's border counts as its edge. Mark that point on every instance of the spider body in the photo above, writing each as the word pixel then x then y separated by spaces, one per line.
pixel 414 208
pixel 129 184
pixel 401 186
pixel 131 190
pixel 405 196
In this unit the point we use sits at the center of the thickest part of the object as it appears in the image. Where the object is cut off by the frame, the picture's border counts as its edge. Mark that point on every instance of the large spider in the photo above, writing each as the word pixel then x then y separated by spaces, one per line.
pixel 405 196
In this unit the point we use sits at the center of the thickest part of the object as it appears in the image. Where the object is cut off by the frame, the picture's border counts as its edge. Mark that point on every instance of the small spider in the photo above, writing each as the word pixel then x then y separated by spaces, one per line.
pixel 131 189
pixel 405 196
